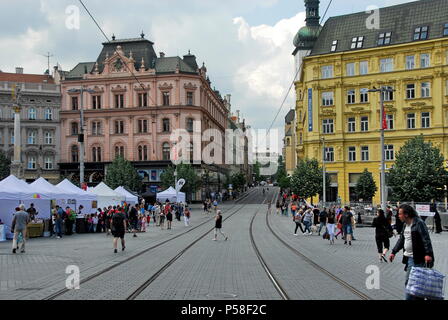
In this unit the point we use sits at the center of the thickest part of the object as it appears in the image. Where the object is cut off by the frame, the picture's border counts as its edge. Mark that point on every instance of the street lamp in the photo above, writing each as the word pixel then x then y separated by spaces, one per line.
pixel 383 188
pixel 81 135
pixel 324 158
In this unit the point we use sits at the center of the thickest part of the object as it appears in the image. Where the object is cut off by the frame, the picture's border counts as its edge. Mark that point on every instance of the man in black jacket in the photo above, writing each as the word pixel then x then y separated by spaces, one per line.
pixel 415 241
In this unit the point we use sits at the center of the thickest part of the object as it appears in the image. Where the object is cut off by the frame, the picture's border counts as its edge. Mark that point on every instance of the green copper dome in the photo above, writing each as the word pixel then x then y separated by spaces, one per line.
pixel 307 36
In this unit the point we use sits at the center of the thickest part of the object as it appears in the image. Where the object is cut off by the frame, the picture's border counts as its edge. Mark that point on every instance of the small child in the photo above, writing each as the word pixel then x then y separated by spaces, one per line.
pixel 143 227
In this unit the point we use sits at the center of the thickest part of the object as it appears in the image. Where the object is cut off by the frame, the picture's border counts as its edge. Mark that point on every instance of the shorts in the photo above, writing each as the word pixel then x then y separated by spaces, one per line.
pixel 348 229
pixel 162 219
pixel 118 234
pixel 134 224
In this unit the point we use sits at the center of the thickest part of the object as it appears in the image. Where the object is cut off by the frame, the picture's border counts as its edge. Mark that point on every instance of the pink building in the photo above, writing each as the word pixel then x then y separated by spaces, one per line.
pixel 123 116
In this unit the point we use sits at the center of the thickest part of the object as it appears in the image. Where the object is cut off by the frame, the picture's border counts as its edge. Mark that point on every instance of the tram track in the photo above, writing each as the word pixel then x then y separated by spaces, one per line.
pixel 144 251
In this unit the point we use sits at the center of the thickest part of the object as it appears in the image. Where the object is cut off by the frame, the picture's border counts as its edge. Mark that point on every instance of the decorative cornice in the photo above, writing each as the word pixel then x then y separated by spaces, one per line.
pixel 119 88
pixel 165 86
pixel 190 86
pixel 140 89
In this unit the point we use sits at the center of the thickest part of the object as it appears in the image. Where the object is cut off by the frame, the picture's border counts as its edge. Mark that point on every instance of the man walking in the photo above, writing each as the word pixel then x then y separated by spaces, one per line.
pixel 347 225
pixel 133 219
pixel 415 241
pixel 59 218
pixel 322 219
pixel 218 226
pixel 19 223
pixel 118 229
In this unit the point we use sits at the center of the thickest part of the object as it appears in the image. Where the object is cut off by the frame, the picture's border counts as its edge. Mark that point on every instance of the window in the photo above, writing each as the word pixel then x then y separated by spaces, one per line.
pixel 364 67
pixel 364 95
pixel 74 128
pixel 426 89
pixel 350 69
pixel 75 153
pixel 421 33
pixel 351 154
pixel 166 151
pixel 410 91
pixel 334 46
pixel 327 72
pixel 119 101
pixel 48 114
pixel 351 96
pixel 48 162
pixel 119 151
pixel 142 126
pixel 327 98
pixel 119 127
pixel 190 123
pixel 74 103
pixel 328 126
pixel 31 162
pixel 365 153
pixel 384 38
pixel 166 98
pixel 411 120
pixel 166 125
pixel 96 102
pixel 390 121
pixel 96 128
pixel 445 29
pixel 329 154
pixel 189 98
pixel 389 154
pixel 32 137
pixel 11 136
pixel 364 124
pixel 32 114
pixel 96 154
pixel 357 43
pixel 426 120
pixel 142 100
pixel 410 62
pixel 48 137
pixel 143 153
pixel 388 95
pixel 351 124
pixel 387 65
pixel 425 60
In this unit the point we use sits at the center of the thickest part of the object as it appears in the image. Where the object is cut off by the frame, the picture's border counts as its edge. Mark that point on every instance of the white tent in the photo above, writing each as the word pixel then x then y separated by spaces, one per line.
pixel 170 194
pixel 107 196
pixel 130 198
pixel 79 196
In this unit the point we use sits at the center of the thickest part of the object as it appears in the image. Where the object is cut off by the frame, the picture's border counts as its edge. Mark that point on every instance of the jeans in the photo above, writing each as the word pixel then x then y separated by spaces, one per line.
pixel 411 264
pixel 16 237
pixel 330 229
pixel 307 226
pixel 58 226
pixel 348 229
pixel 322 224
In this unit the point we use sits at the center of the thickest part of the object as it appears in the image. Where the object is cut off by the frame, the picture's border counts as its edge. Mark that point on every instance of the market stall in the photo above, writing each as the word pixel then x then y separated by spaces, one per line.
pixel 130 198
pixel 170 194
pixel 106 196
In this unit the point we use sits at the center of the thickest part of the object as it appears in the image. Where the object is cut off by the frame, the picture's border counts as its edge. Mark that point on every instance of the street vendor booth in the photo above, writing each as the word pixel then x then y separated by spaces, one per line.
pixel 106 196
pixel 130 198
pixel 170 195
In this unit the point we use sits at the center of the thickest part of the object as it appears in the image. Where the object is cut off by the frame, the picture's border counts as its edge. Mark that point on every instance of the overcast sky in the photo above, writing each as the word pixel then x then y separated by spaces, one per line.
pixel 246 44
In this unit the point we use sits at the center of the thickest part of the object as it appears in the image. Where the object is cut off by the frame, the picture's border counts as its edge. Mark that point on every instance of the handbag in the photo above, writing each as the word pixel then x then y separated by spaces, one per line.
pixel 426 283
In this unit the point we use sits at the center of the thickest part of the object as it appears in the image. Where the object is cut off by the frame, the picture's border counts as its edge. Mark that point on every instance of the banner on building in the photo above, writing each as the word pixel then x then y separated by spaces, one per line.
pixel 310 110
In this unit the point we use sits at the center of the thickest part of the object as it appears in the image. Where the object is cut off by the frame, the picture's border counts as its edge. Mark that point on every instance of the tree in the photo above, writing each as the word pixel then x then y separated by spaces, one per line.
pixel 122 173
pixel 184 171
pixel 238 180
pixel 256 168
pixel 366 186
pixel 5 166
pixel 418 173
pixel 307 179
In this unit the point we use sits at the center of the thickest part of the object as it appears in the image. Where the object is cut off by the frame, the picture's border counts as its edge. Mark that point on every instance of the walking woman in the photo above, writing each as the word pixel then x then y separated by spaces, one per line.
pixel 383 231
pixel 341 230
pixel 307 221
pixel 277 205
pixel 298 220
pixel 331 219
pixel 169 218
pixel 218 226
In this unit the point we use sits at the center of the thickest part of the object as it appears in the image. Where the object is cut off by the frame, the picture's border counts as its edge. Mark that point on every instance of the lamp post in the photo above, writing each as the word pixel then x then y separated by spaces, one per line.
pixel 81 135
pixel 16 165
pixel 383 126
pixel 324 195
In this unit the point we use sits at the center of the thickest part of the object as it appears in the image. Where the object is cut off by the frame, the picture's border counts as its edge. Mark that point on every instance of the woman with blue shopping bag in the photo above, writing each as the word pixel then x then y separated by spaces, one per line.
pixel 418 252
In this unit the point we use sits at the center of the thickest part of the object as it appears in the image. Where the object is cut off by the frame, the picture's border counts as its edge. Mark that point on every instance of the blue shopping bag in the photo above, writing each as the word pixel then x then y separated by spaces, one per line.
pixel 426 283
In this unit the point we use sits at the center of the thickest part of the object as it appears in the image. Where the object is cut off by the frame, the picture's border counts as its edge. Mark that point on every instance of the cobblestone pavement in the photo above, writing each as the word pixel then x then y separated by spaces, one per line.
pixel 215 270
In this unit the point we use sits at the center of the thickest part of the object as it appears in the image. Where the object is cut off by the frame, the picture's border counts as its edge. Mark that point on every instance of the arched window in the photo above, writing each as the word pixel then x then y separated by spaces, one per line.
pixel 75 154
pixel 48 114
pixel 119 151
pixel 166 151
pixel 32 114
pixel 143 153
pixel 96 154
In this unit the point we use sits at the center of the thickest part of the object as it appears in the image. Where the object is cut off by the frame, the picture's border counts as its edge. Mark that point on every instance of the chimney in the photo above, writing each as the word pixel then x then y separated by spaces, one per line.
pixel 162 54
pixel 19 70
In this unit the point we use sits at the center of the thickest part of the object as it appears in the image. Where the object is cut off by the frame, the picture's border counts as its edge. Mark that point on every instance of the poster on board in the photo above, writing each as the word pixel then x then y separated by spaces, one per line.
pixel 424 210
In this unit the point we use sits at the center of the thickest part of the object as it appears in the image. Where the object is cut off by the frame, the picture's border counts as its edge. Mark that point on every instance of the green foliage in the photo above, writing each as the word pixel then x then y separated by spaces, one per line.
pixel 258 177
pixel 366 186
pixel 5 165
pixel 307 179
pixel 184 171
pixel 238 180
pixel 281 176
pixel 122 173
pixel 418 173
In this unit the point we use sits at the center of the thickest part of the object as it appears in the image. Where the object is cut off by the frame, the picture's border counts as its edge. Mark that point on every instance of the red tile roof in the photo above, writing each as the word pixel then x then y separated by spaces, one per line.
pixel 25 78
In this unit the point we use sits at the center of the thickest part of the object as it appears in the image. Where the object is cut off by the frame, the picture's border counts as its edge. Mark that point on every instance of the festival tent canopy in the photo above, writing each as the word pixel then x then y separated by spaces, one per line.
pixel 76 192
pixel 130 198
pixel 170 194
pixel 43 186
pixel 12 188
pixel 107 196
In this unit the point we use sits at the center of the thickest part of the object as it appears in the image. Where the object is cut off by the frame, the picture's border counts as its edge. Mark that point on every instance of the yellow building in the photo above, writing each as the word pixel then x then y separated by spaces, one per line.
pixel 342 60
